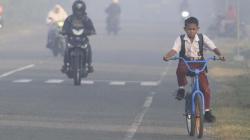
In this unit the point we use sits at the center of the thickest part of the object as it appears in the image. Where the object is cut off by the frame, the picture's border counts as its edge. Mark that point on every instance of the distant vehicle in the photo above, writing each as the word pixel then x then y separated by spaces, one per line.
pixel 184 10
pixel 185 14
pixel 215 29
pixel 77 45
pixel 113 25
pixel 57 44
pixel 113 12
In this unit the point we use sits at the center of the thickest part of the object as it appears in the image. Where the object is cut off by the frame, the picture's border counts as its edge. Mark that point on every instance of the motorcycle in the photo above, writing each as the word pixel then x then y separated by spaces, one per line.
pixel 113 24
pixel 57 41
pixel 77 45
pixel 185 14
pixel 216 29
pixel 184 10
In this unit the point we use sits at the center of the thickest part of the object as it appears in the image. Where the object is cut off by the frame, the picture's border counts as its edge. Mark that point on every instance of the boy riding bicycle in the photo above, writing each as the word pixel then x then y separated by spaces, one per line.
pixel 190 46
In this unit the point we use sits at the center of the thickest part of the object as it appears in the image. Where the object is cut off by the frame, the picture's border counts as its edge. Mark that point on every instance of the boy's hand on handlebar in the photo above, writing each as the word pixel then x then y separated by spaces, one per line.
pixel 222 58
pixel 165 58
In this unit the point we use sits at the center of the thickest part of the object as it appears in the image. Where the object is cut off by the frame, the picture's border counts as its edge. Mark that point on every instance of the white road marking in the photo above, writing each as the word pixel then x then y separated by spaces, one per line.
pixel 148 102
pixel 54 81
pixel 139 118
pixel 91 82
pixel 164 73
pixel 22 81
pixel 87 82
pixel 117 83
pixel 16 70
pixel 149 83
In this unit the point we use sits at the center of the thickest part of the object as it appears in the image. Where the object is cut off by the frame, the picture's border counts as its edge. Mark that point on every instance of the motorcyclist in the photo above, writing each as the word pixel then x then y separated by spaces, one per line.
pixel 184 9
pixel 113 15
pixel 225 24
pixel 230 19
pixel 57 14
pixel 79 16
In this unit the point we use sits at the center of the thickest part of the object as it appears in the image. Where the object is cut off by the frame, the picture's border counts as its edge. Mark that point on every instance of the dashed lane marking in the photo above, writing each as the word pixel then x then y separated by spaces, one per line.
pixel 92 82
pixel 54 81
pixel 117 83
pixel 22 81
pixel 151 83
pixel 87 82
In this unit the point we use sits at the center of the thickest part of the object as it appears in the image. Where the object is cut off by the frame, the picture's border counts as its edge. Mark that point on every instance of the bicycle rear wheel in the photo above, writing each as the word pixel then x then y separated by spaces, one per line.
pixel 198 117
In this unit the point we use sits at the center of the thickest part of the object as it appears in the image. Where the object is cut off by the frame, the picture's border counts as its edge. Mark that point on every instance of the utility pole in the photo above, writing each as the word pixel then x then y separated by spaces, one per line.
pixel 238 56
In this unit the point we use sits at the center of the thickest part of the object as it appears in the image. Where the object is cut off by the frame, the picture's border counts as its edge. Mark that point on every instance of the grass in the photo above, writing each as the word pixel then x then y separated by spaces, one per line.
pixel 232 101
pixel 233 110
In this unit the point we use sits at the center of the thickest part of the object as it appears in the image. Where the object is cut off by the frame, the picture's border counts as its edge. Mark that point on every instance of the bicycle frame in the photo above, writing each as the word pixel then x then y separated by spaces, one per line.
pixel 196 87
pixel 194 119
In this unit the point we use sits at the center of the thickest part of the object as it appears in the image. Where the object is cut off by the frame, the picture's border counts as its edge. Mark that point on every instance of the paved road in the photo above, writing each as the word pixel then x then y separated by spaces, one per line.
pixel 128 97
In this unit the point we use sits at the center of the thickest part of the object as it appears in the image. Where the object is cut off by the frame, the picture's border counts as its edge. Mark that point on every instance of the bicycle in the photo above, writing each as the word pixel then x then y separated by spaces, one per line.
pixel 194 100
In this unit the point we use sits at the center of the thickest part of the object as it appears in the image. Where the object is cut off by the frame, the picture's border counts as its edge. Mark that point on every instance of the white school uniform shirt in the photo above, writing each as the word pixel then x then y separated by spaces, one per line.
pixel 192 49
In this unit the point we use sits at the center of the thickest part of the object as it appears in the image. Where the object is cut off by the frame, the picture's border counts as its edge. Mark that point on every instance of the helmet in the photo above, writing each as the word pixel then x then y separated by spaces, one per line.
pixel 57 8
pixel 79 8
pixel 115 1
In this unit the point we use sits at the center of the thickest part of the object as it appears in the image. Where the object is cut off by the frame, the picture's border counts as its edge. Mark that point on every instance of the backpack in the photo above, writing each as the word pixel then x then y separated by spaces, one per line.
pixel 200 42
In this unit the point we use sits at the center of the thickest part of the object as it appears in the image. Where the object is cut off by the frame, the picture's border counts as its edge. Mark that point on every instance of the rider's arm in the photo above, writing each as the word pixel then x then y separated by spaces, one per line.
pixel 176 49
pixel 49 20
pixel 210 44
pixel 218 53
pixel 66 25
pixel 90 29
pixel 170 54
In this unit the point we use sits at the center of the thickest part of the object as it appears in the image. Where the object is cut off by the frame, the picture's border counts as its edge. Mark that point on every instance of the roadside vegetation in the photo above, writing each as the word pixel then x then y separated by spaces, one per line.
pixel 232 106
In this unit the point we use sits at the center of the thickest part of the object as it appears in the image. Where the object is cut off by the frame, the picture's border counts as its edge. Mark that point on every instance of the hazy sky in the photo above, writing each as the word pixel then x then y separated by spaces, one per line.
pixel 132 10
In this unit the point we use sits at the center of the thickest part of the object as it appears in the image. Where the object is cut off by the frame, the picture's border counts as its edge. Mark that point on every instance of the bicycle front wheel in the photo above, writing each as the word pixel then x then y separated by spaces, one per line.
pixel 198 118
pixel 188 113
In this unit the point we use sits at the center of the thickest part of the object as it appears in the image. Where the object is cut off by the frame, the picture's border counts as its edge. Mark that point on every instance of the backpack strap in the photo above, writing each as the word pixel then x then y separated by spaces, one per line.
pixel 182 52
pixel 200 42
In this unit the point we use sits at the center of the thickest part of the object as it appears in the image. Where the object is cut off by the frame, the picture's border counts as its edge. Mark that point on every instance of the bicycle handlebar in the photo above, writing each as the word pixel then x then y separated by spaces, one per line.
pixel 187 62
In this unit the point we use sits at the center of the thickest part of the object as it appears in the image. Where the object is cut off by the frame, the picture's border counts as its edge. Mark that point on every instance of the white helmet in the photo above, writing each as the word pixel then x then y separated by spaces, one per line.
pixel 115 1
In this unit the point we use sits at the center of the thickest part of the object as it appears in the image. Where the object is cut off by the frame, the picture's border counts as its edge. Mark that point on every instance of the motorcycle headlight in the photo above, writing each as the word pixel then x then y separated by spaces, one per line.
pixel 84 46
pixel 60 23
pixel 77 32
pixel 185 14
pixel 69 45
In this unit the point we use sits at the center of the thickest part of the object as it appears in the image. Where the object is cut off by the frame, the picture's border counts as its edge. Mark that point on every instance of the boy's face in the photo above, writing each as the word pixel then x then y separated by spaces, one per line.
pixel 191 30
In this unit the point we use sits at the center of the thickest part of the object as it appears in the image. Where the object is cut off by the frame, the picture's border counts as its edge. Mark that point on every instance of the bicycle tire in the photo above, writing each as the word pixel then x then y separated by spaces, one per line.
pixel 188 112
pixel 198 117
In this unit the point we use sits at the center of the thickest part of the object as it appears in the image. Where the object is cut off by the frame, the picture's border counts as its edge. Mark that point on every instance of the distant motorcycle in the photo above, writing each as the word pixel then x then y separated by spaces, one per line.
pixel 77 45
pixel 184 10
pixel 57 41
pixel 113 23
pixel 185 14
pixel 230 30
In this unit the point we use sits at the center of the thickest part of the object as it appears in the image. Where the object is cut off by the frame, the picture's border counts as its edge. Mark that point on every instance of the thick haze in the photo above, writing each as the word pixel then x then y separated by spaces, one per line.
pixel 151 10
pixel 133 11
